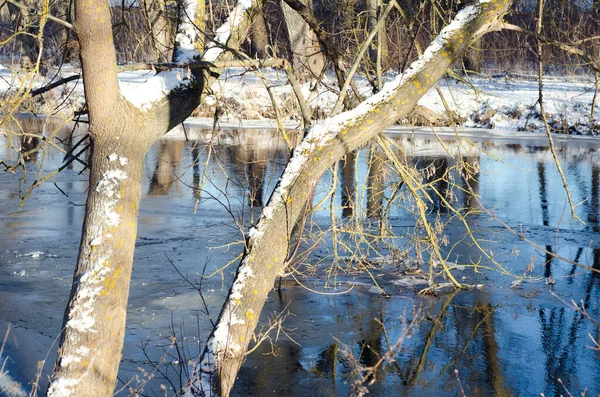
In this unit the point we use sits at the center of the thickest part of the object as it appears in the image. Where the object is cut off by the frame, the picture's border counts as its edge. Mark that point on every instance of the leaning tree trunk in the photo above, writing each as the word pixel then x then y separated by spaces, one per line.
pixel 267 249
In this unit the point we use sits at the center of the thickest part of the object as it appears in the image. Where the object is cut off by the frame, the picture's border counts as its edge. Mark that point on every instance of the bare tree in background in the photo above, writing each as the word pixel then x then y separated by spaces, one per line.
pixel 308 60
pixel 160 26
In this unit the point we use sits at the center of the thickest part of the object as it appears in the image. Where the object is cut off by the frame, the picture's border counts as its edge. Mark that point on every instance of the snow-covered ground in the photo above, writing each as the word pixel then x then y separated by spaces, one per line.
pixel 502 102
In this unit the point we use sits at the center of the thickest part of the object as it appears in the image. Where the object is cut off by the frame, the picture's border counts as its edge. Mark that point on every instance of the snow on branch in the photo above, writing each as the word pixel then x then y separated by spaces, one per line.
pixel 143 88
pixel 224 343
pixel 185 39
pixel 233 22
pixel 325 130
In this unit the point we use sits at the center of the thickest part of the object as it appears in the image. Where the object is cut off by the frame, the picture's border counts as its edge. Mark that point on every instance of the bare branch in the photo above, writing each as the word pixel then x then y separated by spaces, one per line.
pixel 323 37
pixel 33 11
pixel 568 48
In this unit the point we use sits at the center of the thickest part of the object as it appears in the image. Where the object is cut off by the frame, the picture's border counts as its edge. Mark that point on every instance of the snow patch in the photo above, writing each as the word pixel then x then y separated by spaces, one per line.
pixel 236 17
pixel 34 254
pixel 221 339
pixel 217 346
pixel 142 88
pixel 61 387
pixel 244 274
pixel 254 235
pixel 66 360
pixel 82 319
pixel 82 350
pixel 186 36
pixel 321 133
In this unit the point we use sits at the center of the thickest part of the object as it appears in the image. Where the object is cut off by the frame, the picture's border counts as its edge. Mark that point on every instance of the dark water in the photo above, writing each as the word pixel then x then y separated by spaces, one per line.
pixel 496 340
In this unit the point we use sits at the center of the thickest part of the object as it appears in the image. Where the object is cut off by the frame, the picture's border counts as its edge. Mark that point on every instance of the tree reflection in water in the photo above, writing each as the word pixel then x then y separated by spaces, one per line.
pixel 502 341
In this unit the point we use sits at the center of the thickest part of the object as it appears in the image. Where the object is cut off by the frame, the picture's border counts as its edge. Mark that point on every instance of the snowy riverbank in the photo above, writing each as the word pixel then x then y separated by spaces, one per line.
pixel 500 102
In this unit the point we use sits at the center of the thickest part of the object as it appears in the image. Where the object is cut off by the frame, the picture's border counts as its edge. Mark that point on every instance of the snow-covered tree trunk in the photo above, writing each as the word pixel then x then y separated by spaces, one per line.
pixel 94 322
pixel 124 123
pixel 94 328
pixel 328 141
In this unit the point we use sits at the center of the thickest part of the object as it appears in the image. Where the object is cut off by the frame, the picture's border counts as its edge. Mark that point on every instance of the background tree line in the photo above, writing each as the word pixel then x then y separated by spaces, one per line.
pixel 144 32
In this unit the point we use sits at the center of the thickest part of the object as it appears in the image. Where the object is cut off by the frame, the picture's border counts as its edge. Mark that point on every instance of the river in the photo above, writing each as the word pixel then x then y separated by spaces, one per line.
pixel 506 337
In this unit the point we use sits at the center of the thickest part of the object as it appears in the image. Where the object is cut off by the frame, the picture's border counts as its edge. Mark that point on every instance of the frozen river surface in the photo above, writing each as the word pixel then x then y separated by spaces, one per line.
pixel 501 340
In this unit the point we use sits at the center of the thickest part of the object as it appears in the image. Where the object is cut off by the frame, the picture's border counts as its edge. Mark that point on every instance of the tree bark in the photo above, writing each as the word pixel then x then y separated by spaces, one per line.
pixel 90 350
pixel 160 27
pixel 375 185
pixel 260 36
pixel 94 322
pixel 307 58
pixel 378 50
pixel 472 59
pixel 332 52
pixel 267 249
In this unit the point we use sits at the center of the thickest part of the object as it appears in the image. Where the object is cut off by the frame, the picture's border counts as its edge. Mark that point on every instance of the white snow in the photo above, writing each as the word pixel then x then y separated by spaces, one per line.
pixel 566 99
pixel 81 318
pixel 220 342
pixel 244 273
pixel 186 36
pixel 66 360
pixel 236 17
pixel 243 95
pixel 61 387
pixel 254 234
pixel 322 132
pixel 34 254
pixel 142 87
pixel 90 284
pixel 82 350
